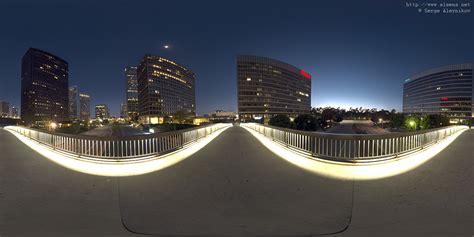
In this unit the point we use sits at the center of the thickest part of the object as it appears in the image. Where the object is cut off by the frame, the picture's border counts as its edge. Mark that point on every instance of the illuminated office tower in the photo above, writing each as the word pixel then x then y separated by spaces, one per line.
pixel 445 90
pixel 73 102
pixel 164 88
pixel 44 87
pixel 84 106
pixel 102 111
pixel 132 92
pixel 267 87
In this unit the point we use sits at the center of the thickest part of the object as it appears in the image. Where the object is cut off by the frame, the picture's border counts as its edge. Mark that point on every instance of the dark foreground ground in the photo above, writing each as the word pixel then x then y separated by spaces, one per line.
pixel 234 186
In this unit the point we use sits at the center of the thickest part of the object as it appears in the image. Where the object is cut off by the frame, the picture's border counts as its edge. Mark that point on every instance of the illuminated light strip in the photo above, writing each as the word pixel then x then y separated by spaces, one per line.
pixel 120 168
pixel 360 171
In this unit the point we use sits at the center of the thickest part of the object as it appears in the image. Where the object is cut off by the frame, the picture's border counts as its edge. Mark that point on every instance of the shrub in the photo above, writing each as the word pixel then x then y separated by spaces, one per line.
pixel 280 120
pixel 306 122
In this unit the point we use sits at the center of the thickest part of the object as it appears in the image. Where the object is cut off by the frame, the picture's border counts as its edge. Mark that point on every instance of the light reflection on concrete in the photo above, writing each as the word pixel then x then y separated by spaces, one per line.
pixel 349 171
pixel 145 165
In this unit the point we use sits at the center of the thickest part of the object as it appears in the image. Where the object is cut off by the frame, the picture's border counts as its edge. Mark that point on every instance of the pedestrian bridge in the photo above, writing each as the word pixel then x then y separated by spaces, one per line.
pixel 333 155
pixel 237 181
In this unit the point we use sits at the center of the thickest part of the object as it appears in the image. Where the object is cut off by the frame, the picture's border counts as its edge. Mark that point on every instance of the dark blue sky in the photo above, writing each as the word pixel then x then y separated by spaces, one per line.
pixel 358 52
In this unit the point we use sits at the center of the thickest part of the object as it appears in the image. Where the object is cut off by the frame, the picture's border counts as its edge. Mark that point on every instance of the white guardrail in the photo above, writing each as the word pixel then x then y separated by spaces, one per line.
pixel 354 148
pixel 118 148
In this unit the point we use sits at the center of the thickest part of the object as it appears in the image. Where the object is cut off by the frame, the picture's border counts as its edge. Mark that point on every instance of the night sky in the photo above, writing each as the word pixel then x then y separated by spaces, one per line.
pixel 358 52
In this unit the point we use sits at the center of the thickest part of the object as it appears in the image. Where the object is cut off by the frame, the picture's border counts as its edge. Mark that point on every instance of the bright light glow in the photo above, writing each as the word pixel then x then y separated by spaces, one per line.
pixel 119 168
pixel 152 130
pixel 166 46
pixel 349 171
pixel 53 126
pixel 412 123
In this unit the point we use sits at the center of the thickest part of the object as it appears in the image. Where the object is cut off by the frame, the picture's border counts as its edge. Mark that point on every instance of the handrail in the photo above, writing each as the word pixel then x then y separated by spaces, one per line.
pixel 117 148
pixel 357 147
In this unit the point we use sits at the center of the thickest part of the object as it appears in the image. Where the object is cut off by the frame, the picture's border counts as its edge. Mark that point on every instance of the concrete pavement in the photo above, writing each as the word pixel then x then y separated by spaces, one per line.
pixel 235 186
pixel 41 198
pixel 435 199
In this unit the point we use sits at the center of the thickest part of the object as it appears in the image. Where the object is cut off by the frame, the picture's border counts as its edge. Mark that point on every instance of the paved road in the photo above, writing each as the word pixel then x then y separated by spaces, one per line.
pixel 347 127
pixel 107 131
pixel 343 128
pixel 234 186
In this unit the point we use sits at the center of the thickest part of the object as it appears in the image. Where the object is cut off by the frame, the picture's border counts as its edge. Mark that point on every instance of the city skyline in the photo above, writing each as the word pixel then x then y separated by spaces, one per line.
pixel 373 60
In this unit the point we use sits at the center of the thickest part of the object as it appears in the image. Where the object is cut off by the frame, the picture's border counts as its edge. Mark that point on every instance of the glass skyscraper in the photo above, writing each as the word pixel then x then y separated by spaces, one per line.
pixel 84 106
pixel 164 88
pixel 267 87
pixel 73 102
pixel 44 87
pixel 445 90
pixel 132 92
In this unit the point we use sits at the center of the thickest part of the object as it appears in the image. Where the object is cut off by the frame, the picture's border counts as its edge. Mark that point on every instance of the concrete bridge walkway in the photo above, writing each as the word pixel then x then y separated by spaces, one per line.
pixel 234 186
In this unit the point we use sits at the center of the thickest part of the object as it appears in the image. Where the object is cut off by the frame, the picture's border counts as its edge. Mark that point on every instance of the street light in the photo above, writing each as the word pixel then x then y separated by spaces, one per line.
pixel 412 124
pixel 53 126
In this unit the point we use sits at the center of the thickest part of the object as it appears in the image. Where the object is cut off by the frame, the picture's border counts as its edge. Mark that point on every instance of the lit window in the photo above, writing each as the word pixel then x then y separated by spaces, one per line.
pixel 249 79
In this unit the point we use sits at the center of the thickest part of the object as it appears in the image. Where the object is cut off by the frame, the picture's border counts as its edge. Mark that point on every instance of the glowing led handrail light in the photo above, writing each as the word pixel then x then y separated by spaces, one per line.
pixel 358 171
pixel 116 167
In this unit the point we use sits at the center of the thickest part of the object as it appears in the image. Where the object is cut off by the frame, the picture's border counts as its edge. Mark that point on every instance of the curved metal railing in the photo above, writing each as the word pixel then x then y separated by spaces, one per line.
pixel 354 148
pixel 118 148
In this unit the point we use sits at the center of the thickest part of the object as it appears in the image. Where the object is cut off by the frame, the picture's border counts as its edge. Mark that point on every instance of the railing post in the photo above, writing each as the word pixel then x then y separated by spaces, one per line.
pixel 53 143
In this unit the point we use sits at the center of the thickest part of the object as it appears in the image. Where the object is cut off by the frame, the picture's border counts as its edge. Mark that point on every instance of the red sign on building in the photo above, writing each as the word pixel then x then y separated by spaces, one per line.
pixel 305 74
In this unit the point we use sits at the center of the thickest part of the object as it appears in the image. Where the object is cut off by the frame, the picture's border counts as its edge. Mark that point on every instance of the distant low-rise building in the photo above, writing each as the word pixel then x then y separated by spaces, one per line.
pixel 222 116
pixel 123 110
pixel 131 93
pixel 200 120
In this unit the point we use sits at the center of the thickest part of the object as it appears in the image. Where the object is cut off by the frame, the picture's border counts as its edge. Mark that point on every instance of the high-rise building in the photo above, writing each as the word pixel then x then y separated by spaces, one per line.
pixel 14 112
pixel 123 110
pixel 4 109
pixel 73 102
pixel 101 111
pixel 164 88
pixel 445 90
pixel 267 87
pixel 132 92
pixel 44 87
pixel 84 106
